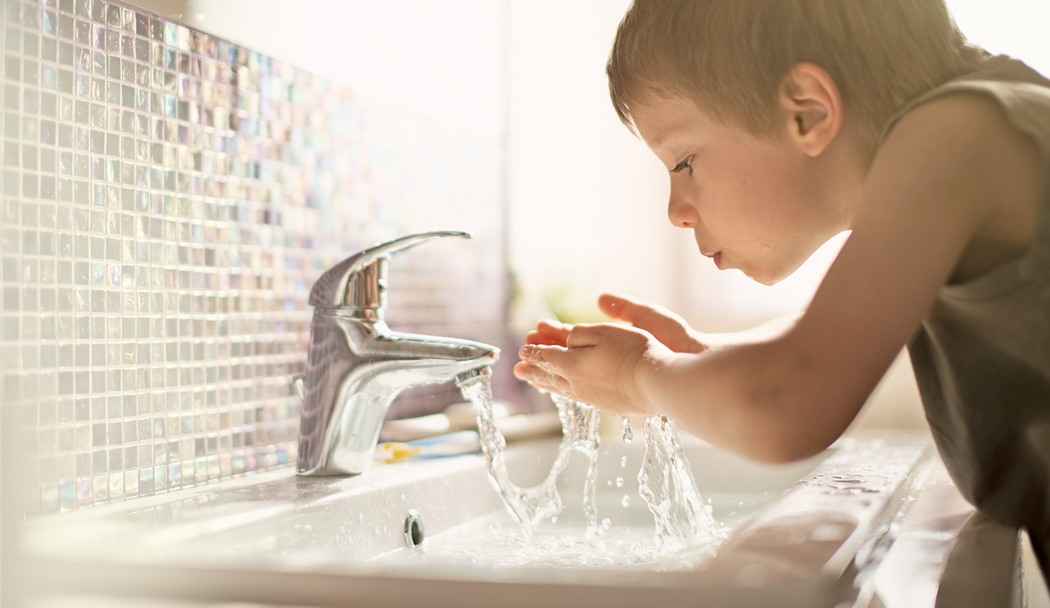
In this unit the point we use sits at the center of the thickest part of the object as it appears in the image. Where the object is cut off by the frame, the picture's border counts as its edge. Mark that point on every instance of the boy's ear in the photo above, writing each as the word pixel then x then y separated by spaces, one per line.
pixel 812 105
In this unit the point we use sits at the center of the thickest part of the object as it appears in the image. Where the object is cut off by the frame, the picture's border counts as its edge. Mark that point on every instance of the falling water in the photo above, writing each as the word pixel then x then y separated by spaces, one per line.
pixel 666 484
pixel 531 506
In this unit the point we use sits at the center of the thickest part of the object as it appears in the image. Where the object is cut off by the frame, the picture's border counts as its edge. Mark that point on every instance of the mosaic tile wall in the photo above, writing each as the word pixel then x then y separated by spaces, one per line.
pixel 168 200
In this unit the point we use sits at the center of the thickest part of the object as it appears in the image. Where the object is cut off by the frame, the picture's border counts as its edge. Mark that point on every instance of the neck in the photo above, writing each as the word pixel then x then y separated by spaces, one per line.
pixel 848 165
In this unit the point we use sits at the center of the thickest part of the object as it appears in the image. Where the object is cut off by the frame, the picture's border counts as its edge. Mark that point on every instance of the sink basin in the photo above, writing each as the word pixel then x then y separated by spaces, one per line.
pixel 799 534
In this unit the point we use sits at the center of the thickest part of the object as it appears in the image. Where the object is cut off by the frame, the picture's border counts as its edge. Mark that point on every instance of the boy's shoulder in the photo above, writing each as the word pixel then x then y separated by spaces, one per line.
pixel 976 146
pixel 1002 88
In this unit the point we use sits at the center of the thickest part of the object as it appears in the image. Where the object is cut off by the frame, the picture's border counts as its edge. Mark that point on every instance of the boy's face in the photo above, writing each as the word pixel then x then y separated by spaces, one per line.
pixel 754 204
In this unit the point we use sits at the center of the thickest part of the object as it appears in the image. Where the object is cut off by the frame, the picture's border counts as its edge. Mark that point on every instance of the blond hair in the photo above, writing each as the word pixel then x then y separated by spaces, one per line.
pixel 730 56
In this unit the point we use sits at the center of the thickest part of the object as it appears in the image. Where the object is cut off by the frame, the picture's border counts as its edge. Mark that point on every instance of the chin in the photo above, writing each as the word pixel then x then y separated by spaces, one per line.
pixel 768 281
pixel 769 276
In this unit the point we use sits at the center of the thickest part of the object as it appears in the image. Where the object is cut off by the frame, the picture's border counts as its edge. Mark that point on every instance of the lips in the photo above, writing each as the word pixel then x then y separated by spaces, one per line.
pixel 715 256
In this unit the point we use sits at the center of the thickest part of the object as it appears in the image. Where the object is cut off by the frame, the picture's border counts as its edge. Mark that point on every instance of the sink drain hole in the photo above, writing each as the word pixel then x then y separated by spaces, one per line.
pixel 413 528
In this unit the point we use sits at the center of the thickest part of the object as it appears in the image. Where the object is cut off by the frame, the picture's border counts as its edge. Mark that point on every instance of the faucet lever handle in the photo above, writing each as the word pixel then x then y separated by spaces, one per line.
pixel 359 280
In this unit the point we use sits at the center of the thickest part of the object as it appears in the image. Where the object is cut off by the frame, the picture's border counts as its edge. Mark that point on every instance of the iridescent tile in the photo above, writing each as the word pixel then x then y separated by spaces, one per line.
pixel 48 48
pixel 82 33
pixel 98 10
pixel 116 485
pixel 170 33
pixel 66 27
pixel 98 35
pixel 131 483
pixel 48 21
pixel 143 50
pixel 140 23
pixel 112 41
pixel 98 116
pixel 67 494
pixel 98 63
pixel 113 67
pixel 146 481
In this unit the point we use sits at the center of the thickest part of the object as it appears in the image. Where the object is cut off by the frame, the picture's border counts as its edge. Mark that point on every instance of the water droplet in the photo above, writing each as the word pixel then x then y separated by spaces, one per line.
pixel 628 434
pixel 623 462
pixel 626 502
pixel 619 482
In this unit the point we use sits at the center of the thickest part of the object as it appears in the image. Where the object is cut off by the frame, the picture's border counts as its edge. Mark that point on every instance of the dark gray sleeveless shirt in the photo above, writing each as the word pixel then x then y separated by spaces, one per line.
pixel 982 354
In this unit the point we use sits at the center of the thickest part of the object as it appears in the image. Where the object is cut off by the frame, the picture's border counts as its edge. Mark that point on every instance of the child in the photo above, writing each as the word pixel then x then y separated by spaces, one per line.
pixel 783 123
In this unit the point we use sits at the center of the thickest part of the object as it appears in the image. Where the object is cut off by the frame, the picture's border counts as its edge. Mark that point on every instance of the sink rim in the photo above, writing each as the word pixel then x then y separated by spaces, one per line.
pixel 721 575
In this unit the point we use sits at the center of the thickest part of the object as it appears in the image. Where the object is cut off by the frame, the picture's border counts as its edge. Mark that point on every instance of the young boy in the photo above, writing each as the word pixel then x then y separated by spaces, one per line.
pixel 783 123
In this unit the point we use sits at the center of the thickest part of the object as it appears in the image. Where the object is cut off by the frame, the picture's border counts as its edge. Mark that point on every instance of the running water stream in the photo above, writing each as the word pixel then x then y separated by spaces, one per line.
pixel 666 484
pixel 682 520
pixel 531 506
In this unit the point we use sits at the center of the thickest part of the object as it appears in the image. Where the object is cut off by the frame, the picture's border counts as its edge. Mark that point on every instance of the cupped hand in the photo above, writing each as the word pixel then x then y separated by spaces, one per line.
pixel 596 364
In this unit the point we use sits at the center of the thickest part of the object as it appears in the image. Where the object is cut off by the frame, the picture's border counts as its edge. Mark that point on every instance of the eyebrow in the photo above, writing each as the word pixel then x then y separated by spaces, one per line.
pixel 661 141
pixel 671 134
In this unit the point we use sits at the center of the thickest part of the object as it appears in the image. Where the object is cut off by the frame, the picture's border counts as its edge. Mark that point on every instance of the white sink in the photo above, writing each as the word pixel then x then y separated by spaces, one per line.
pixel 801 533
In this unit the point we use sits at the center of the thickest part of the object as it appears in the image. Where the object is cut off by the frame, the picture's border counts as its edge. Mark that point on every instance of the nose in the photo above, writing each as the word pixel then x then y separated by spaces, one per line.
pixel 681 211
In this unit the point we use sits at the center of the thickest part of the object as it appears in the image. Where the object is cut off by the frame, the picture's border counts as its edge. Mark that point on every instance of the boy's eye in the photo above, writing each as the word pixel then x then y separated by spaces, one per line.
pixel 685 164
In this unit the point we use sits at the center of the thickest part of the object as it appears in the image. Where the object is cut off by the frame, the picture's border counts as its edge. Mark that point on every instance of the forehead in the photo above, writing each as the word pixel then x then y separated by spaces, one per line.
pixel 662 120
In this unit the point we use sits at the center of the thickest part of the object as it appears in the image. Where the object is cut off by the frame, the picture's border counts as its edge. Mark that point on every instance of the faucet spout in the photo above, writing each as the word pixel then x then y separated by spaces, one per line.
pixel 469 377
pixel 354 371
pixel 356 365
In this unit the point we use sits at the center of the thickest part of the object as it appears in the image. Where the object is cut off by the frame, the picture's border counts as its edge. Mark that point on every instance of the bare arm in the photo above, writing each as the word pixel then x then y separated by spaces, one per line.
pixel 773 328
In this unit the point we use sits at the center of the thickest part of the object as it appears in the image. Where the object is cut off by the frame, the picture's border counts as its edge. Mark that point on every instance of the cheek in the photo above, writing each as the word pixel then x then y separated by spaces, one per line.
pixel 770 192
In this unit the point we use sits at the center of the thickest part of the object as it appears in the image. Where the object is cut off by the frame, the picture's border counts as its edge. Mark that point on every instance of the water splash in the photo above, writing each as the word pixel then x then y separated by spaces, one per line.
pixel 532 506
pixel 666 484
pixel 665 481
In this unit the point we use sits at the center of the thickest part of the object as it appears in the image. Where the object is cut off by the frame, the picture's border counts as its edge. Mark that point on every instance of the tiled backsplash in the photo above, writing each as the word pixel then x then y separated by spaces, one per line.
pixel 168 200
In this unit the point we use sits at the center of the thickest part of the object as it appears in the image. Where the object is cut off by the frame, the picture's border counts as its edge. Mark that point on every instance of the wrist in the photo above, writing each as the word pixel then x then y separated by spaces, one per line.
pixel 649 375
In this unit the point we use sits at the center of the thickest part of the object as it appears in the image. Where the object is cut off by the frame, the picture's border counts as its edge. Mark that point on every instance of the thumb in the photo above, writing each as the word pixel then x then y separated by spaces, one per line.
pixel 664 325
pixel 640 314
pixel 623 308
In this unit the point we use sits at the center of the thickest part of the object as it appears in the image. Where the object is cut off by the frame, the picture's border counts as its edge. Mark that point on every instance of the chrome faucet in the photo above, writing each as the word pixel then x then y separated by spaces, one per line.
pixel 356 365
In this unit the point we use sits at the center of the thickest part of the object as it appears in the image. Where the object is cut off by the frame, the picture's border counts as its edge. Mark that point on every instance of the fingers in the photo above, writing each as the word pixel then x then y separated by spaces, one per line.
pixel 584 334
pixel 542 357
pixel 654 319
pixel 542 366
pixel 664 325
pixel 547 358
pixel 630 310
pixel 613 305
pixel 635 312
pixel 540 379
pixel 551 333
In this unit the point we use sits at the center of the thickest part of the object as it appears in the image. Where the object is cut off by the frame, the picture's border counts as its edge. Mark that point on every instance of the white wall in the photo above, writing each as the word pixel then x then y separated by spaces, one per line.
pixel 1013 27
pixel 587 210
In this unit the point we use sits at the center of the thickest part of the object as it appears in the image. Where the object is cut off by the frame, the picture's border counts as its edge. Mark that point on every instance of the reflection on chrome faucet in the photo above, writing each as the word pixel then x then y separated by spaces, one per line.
pixel 356 365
